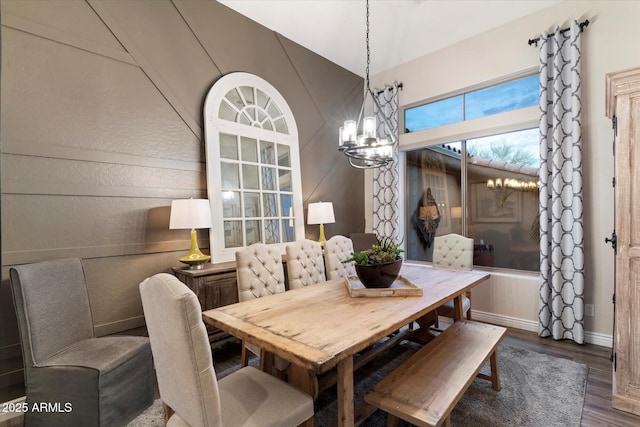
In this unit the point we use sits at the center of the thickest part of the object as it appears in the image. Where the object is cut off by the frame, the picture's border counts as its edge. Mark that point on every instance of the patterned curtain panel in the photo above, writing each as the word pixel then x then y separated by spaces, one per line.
pixel 386 179
pixel 561 312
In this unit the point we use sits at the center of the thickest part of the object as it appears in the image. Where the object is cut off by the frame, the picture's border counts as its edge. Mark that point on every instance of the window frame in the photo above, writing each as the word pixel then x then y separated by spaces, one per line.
pixel 510 121
pixel 214 126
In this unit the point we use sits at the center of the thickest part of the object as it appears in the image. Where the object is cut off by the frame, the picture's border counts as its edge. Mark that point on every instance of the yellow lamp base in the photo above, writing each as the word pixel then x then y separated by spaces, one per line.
pixel 322 239
pixel 195 258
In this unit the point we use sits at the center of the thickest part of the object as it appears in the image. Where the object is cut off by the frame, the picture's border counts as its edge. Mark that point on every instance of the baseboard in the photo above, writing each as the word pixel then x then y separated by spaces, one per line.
pixel 531 325
pixel 599 339
pixel 119 326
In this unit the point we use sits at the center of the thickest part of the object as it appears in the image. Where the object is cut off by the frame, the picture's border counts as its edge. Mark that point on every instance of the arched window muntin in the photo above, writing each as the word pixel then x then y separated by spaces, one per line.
pixel 253 166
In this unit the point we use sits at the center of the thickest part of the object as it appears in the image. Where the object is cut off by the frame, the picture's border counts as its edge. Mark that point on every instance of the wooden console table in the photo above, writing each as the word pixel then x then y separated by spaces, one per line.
pixel 215 286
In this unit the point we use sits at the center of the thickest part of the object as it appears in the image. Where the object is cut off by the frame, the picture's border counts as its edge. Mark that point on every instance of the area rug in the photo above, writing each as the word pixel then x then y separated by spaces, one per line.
pixel 537 391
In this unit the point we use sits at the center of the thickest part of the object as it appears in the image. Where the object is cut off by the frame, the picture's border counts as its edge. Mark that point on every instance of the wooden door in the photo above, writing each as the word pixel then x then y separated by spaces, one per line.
pixel 623 106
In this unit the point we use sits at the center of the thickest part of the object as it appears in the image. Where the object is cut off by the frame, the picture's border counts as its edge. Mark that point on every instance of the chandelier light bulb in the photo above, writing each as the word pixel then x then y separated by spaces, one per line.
pixel 350 130
pixel 369 128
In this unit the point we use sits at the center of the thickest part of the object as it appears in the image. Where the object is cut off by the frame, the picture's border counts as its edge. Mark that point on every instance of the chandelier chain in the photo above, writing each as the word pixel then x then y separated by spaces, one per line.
pixel 367 150
pixel 368 50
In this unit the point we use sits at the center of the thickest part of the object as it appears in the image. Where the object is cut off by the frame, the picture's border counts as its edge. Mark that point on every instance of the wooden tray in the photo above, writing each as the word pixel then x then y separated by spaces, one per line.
pixel 401 287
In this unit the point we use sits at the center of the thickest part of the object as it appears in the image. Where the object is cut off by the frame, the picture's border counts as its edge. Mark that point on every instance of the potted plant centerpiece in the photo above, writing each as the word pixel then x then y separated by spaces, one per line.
pixel 378 266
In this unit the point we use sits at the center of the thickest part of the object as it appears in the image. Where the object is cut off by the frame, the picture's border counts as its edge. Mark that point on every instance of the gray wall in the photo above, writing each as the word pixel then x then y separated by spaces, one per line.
pixel 101 127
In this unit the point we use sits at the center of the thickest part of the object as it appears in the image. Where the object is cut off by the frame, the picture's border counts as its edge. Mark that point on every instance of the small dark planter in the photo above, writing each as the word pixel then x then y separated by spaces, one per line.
pixel 379 275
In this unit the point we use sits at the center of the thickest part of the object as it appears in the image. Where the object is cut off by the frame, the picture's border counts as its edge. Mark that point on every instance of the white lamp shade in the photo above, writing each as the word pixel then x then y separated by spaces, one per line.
pixel 320 213
pixel 190 214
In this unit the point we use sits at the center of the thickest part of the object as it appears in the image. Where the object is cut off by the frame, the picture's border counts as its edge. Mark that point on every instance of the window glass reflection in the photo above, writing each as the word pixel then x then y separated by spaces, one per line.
pixel 250 177
pixel 285 179
pixel 287 230
pixel 230 178
pixel 284 158
pixel 233 234
pixel 268 178
pixel 502 198
pixel 269 203
pixel 249 150
pixel 253 231
pixel 271 231
pixel 267 153
pixel 231 204
pixel 228 146
pixel 252 205
pixel 433 196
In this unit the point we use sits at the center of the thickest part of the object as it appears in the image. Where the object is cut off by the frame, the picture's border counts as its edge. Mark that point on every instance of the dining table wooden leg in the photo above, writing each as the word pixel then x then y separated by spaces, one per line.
pixel 346 415
pixel 457 308
pixel 423 334
pixel 303 379
pixel 266 361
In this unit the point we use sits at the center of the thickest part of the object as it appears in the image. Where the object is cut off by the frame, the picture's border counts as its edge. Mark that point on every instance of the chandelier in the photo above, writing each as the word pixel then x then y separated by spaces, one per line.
pixel 363 148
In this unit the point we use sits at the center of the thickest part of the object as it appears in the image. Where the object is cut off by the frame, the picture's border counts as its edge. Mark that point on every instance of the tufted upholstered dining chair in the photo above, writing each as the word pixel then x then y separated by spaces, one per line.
pixel 189 390
pixel 259 273
pixel 305 263
pixel 107 381
pixel 455 252
pixel 336 249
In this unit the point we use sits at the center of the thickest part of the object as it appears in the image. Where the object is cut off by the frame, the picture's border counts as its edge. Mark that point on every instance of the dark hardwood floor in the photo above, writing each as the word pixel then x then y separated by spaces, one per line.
pixel 597 410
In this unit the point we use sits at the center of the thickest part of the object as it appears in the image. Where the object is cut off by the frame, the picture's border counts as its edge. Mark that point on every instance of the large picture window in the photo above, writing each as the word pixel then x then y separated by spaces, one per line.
pixel 485 187
pixel 253 166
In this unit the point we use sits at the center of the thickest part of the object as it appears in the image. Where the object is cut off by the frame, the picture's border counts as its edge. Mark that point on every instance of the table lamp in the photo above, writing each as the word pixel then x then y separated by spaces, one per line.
pixel 321 213
pixel 191 214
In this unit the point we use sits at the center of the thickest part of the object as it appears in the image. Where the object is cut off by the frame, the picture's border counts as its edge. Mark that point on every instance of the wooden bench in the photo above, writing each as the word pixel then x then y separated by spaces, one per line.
pixel 425 389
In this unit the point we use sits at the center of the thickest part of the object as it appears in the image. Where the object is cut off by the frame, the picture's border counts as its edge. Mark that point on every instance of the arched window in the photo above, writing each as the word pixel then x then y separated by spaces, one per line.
pixel 253 166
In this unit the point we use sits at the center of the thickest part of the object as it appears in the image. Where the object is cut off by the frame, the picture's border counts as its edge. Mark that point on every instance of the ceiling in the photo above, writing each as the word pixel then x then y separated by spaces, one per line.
pixel 400 30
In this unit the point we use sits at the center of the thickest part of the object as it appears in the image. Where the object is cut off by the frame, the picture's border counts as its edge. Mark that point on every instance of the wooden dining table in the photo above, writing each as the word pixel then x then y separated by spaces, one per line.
pixel 321 327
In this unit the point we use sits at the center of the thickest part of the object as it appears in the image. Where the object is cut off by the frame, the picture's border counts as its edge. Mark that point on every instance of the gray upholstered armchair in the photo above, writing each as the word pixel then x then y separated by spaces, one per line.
pixel 104 381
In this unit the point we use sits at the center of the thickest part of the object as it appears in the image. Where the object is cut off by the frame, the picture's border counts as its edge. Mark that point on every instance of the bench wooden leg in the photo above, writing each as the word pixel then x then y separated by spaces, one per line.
pixel 447 422
pixel 495 372
pixel 392 420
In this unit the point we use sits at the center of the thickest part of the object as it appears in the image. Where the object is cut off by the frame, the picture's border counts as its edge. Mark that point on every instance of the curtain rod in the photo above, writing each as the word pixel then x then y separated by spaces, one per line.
pixel 378 92
pixel 581 25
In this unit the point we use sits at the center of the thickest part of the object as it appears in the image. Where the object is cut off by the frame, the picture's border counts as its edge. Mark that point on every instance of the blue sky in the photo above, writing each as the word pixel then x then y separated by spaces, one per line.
pixel 507 96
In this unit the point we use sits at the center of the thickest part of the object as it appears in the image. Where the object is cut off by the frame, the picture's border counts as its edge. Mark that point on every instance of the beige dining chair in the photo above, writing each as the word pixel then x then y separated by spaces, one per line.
pixel 305 263
pixel 189 390
pixel 259 273
pixel 336 249
pixel 455 252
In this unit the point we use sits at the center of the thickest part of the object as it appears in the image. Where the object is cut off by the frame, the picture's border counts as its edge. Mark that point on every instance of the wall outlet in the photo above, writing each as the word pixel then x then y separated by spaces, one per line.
pixel 589 310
